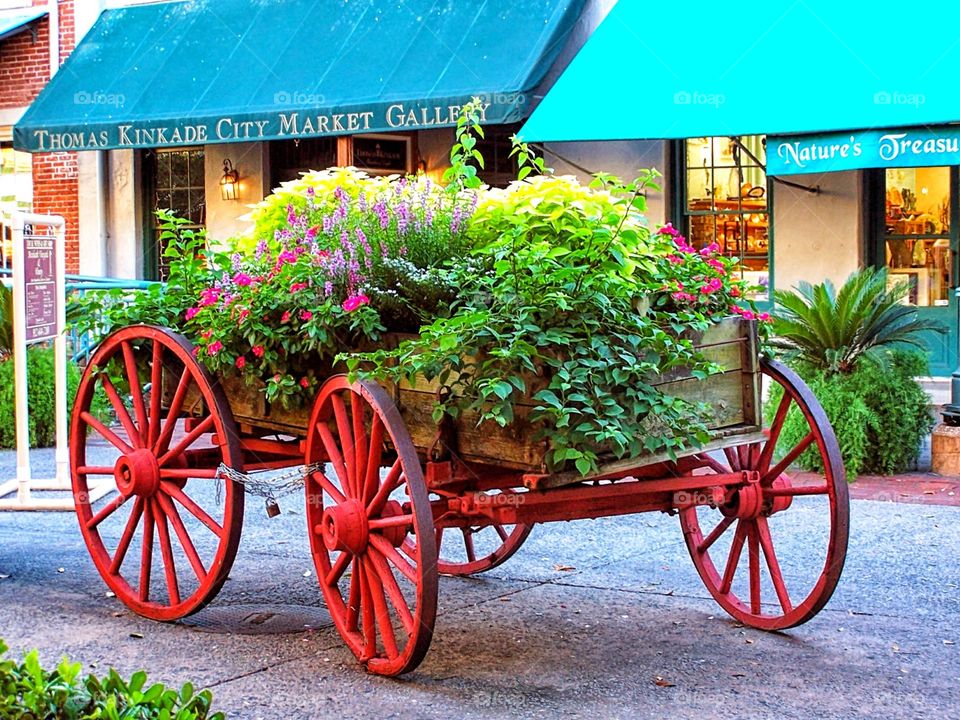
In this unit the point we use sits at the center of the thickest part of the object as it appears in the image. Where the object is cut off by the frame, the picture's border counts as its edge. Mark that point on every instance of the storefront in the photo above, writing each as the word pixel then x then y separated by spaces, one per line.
pixel 787 74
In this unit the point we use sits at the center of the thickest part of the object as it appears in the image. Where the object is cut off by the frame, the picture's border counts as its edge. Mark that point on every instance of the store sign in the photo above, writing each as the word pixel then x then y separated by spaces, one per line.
pixel 833 152
pixel 40 287
pixel 380 154
pixel 249 127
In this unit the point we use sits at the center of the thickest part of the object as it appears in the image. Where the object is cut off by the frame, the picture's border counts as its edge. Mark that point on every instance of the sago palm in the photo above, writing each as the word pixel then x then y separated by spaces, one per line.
pixel 830 330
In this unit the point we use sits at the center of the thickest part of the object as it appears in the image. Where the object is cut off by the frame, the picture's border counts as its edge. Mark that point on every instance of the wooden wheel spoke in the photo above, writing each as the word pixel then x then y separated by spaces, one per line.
pixel 191 506
pixel 773 565
pixel 367 614
pixel 733 458
pixel 380 610
pixel 390 483
pixel 375 456
pixel 188 473
pixel 733 559
pixel 797 491
pixel 788 459
pixel 146 556
pixel 170 510
pixel 106 433
pixel 337 569
pixel 717 467
pixel 360 444
pixel 501 532
pixel 328 487
pixel 123 415
pixel 382 523
pixel 353 599
pixel 715 534
pixel 166 552
pixel 94 470
pixel 775 427
pixel 156 394
pixel 136 389
pixel 468 544
pixel 394 594
pixel 127 536
pixel 395 558
pixel 106 511
pixel 347 444
pixel 176 405
pixel 336 458
pixel 753 556
pixel 204 426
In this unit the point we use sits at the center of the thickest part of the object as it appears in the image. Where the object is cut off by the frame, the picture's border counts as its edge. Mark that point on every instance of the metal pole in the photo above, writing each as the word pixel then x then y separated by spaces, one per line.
pixel 60 362
pixel 22 428
pixel 951 412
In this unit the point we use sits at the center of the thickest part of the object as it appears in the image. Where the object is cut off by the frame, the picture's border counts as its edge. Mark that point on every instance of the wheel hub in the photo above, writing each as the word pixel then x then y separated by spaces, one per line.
pixel 344 527
pixel 137 474
pixel 745 502
pixel 396 534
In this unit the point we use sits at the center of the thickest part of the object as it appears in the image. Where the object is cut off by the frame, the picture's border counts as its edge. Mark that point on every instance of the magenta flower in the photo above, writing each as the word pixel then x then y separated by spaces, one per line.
pixel 192 313
pixel 354 302
pixel 257 350
pixel 214 347
pixel 242 279
pixel 285 318
pixel 305 315
pixel 241 362
pixel 297 287
pixel 209 296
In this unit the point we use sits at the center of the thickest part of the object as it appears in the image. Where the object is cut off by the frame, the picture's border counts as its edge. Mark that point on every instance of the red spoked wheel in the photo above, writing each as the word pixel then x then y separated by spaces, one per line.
pixel 793 560
pixel 477 548
pixel 163 454
pixel 368 499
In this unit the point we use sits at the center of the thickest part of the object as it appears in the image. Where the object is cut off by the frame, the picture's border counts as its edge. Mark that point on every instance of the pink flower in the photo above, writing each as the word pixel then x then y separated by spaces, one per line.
pixel 241 362
pixel 305 382
pixel 285 318
pixel 709 249
pixel 354 302
pixel 257 350
pixel 209 296
pixel 214 347
pixel 675 259
pixel 717 265
pixel 735 291
pixel 192 313
pixel 764 317
pixel 711 286
pixel 242 279
pixel 297 287
pixel 305 315
pixel 748 314
pixel 244 314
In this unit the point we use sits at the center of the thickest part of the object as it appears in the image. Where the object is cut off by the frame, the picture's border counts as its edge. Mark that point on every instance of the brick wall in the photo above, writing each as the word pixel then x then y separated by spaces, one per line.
pixel 24 70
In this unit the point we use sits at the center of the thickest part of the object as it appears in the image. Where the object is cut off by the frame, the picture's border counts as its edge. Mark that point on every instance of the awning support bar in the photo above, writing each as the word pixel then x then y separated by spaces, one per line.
pixel 815 190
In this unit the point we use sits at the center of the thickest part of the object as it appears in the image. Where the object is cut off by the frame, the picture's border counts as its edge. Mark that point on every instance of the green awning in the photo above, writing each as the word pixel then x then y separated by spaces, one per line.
pixel 13 22
pixel 187 73
pixel 695 69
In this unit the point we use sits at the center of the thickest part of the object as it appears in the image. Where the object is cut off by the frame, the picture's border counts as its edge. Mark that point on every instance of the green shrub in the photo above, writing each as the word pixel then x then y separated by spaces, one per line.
pixel 41 398
pixel 28 691
pixel 878 411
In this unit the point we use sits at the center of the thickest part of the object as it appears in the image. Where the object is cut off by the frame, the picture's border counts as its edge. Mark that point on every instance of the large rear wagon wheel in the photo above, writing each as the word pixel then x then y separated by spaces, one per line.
pixel 363 506
pixel 772 554
pixel 165 543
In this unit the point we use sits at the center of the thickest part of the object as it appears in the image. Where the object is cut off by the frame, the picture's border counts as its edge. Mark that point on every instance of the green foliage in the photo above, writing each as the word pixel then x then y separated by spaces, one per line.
pixel 192 264
pixel 462 172
pixel 6 321
pixel 28 691
pixel 879 412
pixel 41 397
pixel 833 330
pixel 562 308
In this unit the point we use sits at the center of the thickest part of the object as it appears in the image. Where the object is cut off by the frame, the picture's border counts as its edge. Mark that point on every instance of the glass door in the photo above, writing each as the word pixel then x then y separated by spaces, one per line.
pixel 918 246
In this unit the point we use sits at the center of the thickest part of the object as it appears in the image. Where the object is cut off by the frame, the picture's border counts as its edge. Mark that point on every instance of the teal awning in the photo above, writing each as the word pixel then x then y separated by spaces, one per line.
pixel 696 69
pixel 187 73
pixel 16 21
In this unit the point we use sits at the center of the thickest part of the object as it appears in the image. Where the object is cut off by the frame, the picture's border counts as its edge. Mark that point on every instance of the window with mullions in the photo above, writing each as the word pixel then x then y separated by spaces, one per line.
pixel 175 181
pixel 499 169
pixel 16 190
pixel 725 201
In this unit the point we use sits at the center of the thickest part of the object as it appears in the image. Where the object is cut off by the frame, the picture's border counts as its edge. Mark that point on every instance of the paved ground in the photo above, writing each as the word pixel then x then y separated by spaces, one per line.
pixel 628 632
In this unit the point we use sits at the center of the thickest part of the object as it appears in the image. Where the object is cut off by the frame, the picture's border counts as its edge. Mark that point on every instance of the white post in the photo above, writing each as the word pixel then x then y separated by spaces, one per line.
pixel 20 364
pixel 62 478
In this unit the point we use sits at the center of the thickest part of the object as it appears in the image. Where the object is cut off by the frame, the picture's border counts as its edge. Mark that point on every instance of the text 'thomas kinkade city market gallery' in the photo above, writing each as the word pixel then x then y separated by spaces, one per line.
pixel 804 155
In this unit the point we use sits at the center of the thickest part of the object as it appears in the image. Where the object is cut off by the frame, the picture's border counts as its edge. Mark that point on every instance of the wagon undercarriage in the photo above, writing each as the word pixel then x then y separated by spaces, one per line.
pixel 385 517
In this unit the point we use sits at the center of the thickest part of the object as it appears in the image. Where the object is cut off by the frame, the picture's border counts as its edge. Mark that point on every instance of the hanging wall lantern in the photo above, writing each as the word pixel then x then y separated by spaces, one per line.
pixel 230 182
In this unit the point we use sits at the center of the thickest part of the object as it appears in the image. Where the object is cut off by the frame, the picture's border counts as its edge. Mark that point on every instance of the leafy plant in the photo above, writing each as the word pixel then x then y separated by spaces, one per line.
pixel 832 331
pixel 879 412
pixel 6 321
pixel 27 690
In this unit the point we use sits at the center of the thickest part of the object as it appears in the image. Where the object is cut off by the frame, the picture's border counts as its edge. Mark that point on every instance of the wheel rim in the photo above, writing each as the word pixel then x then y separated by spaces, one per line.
pixel 475 549
pixel 187 529
pixel 759 565
pixel 361 507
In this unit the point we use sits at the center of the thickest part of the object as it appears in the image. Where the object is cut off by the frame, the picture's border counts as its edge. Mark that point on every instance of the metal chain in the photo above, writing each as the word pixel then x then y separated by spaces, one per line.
pixel 268 485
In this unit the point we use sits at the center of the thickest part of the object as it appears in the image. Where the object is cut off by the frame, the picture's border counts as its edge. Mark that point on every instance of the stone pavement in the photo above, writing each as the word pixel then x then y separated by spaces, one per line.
pixel 593 619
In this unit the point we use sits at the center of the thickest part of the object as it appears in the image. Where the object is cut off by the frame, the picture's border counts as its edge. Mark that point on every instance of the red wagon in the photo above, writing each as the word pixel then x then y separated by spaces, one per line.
pixel 393 500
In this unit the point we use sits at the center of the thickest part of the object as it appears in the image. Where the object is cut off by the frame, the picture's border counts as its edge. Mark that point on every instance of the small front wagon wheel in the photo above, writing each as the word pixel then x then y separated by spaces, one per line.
pixel 771 555
pixel 362 506
pixel 166 541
